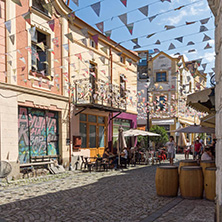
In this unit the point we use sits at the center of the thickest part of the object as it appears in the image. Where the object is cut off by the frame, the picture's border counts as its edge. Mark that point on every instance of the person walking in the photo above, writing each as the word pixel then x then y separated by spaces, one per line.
pixel 197 149
pixel 171 149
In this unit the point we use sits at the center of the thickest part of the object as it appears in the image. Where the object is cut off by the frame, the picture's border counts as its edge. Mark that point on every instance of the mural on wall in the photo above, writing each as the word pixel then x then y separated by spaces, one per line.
pixel 23 135
pixel 38 133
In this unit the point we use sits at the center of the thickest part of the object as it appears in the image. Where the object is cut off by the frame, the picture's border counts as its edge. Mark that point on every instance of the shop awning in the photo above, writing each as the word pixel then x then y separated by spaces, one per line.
pixel 208 121
pixel 163 122
pixel 186 122
pixel 203 101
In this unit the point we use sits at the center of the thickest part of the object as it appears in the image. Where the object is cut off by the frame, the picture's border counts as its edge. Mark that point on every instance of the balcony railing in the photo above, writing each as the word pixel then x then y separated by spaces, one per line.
pixel 98 93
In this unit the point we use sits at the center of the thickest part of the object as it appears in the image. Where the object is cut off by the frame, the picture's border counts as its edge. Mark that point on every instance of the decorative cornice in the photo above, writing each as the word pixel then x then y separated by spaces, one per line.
pixel 21 89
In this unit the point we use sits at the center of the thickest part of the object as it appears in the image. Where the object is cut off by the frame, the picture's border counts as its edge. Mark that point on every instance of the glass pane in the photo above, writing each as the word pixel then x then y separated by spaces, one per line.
pixel 101 119
pixel 83 131
pixel 101 136
pixel 92 136
pixel 82 117
pixel 91 118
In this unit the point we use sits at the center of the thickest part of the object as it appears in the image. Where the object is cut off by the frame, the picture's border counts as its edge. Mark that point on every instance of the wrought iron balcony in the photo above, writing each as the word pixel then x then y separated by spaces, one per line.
pixel 99 94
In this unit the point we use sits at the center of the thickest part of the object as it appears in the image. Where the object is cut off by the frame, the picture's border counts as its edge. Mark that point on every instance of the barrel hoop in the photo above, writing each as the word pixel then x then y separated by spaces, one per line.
pixel 211 168
pixel 168 167
pixel 191 168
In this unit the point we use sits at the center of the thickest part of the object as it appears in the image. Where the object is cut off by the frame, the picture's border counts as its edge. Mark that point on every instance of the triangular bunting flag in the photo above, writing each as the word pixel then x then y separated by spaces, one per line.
pixel 190 23
pixel 191 50
pixel 71 17
pixel 152 17
pixel 22 59
pixel 208 46
pixel 144 10
pixel 96 38
pixel 104 49
pixel 32 32
pixel 206 38
pixel 17 2
pixel 52 24
pixel 204 66
pixel 66 47
pixel 156 50
pixel 135 40
pixel 8 25
pixel 168 27
pixel 198 62
pixel 103 59
pixel 172 46
pixel 190 43
pixel 85 32
pixel 150 35
pixel 41 46
pixel 130 28
pixel 12 38
pixel 124 2
pixel 137 46
pixel 84 41
pixel 100 26
pixel 203 28
pixel 123 18
pixel 180 39
pixel 157 42
pixel 10 63
pixel 96 8
pixel 211 73
pixel 213 69
pixel 69 36
pixel 165 1
pixel 55 41
pixel 76 2
pixel 26 16
pixel 108 34
pixel 204 21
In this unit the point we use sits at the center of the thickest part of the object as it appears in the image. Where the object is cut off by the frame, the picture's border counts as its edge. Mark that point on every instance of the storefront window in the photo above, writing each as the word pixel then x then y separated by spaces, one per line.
pixel 101 136
pixel 93 131
pixel 101 119
pixel 125 124
pixel 83 117
pixel 83 132
pixel 92 136
pixel 92 118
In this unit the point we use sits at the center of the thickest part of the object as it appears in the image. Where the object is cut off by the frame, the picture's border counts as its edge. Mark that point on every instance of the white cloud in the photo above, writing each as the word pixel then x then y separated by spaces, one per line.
pixel 209 56
pixel 176 19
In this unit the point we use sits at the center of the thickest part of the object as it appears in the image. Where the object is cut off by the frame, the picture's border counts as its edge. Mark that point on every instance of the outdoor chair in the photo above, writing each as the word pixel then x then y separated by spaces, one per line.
pixel 5 169
pixel 86 164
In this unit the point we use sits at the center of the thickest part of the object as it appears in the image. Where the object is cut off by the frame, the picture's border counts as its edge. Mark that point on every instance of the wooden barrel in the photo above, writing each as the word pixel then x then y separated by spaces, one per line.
pixel 207 163
pixel 191 182
pixel 187 163
pixel 167 181
pixel 210 183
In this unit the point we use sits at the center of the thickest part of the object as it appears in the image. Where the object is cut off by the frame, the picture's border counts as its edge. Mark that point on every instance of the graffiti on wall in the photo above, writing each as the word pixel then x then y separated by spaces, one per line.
pixel 38 133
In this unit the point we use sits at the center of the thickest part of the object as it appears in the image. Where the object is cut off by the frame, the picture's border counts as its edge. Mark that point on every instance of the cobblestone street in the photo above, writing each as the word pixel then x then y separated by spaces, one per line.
pixel 99 196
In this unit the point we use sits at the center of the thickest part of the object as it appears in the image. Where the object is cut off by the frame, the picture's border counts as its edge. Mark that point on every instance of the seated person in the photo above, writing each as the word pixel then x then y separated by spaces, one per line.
pixel 207 155
pixel 123 158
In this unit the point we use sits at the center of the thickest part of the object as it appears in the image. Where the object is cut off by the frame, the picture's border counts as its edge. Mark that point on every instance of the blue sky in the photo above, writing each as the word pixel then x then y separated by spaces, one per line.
pixel 198 10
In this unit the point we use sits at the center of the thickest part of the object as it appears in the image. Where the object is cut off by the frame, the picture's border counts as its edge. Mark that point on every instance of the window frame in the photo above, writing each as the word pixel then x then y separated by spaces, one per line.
pixel 161 72
pixel 37 72
pixel 38 9
pixel 97 124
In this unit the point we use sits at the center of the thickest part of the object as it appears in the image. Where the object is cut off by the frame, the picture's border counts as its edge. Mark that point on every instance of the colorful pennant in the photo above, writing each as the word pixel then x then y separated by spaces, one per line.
pixel 17 2
pixel 144 10
pixel 96 8
pixel 51 24
pixel 70 37
pixel 124 2
pixel 123 18
pixel 27 17
pixel 130 28
pixel 100 26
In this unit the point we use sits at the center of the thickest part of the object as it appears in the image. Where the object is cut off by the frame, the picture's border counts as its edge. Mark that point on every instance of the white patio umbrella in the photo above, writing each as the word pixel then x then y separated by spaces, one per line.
pixel 121 143
pixel 136 132
pixel 195 129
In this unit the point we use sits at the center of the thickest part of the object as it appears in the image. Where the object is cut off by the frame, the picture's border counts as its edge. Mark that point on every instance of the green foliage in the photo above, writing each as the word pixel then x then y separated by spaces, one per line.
pixel 159 140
